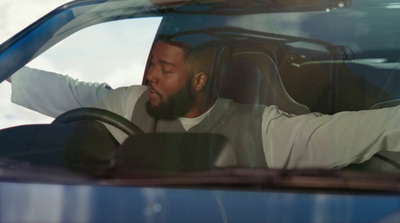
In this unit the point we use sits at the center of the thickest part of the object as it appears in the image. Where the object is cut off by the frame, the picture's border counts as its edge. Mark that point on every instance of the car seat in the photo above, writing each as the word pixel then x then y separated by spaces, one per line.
pixel 249 75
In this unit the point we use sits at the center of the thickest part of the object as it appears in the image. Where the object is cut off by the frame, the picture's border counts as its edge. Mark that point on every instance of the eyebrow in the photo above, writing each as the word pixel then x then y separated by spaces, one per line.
pixel 166 62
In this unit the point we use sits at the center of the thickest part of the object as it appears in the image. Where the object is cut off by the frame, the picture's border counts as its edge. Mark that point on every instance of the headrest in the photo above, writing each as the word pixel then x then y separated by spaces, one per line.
pixel 251 76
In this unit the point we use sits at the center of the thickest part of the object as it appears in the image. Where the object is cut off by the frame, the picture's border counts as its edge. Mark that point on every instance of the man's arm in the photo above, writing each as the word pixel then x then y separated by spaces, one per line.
pixel 328 141
pixel 53 94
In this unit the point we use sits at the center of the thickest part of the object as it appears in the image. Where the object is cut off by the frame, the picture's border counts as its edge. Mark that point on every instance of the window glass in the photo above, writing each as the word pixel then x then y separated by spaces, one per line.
pixel 114 53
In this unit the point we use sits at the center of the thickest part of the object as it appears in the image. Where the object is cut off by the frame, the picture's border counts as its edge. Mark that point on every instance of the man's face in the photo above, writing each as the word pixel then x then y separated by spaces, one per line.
pixel 169 89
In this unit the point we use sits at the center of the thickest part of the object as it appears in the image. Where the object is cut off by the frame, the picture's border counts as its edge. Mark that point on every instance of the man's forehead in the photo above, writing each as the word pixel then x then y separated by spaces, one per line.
pixel 168 54
pixel 166 48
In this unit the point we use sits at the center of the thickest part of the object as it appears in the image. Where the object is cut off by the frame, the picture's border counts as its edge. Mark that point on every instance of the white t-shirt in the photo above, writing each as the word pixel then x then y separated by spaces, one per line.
pixel 310 140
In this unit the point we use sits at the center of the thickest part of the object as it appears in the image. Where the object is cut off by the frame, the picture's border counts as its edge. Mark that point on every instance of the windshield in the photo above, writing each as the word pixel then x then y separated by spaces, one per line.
pixel 206 86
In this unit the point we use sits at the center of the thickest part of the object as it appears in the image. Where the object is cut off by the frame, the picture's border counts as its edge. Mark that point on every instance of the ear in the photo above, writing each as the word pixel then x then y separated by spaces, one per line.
pixel 199 81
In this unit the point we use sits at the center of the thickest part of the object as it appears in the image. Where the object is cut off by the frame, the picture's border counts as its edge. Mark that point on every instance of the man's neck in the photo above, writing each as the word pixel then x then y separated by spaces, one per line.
pixel 199 108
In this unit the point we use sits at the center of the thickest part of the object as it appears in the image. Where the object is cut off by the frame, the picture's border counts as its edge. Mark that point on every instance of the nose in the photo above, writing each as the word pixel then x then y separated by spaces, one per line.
pixel 152 75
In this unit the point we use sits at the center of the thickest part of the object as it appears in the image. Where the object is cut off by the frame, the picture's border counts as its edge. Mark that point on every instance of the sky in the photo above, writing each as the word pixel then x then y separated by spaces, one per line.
pixel 16 15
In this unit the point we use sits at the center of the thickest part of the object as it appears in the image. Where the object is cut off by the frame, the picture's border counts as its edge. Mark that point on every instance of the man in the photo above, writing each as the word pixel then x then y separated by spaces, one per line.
pixel 177 99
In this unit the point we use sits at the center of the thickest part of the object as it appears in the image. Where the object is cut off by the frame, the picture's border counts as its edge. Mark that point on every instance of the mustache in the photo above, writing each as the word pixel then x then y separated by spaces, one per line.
pixel 151 88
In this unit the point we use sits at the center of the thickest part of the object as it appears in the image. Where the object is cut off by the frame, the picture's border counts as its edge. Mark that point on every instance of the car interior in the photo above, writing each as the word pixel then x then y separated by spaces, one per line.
pixel 250 64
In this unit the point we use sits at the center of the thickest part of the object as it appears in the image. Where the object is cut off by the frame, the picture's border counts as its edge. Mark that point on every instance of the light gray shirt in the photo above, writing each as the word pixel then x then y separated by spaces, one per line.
pixel 310 140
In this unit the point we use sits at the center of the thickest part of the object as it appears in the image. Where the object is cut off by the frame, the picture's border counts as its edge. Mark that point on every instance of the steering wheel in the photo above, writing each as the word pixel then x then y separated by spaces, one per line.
pixel 102 115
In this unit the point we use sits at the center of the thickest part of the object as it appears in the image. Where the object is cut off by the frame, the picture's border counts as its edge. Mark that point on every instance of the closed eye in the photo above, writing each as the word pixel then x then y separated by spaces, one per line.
pixel 164 71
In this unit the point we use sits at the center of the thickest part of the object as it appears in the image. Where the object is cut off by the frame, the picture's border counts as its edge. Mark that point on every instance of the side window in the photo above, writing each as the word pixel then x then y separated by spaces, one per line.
pixel 114 53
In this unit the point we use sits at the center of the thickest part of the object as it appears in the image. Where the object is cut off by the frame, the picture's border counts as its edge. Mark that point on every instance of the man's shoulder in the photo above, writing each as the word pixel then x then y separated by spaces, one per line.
pixel 230 106
pixel 230 102
pixel 137 87
pixel 133 89
pixel 123 94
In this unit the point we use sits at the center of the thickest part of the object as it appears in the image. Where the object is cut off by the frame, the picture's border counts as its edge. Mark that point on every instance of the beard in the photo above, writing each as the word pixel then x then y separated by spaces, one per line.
pixel 176 105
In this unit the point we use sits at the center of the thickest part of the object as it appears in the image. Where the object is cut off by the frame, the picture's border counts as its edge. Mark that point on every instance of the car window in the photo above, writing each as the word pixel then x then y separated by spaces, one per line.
pixel 349 65
pixel 113 52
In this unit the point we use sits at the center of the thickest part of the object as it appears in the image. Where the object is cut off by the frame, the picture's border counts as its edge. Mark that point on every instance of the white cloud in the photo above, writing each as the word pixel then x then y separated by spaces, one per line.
pixel 17 14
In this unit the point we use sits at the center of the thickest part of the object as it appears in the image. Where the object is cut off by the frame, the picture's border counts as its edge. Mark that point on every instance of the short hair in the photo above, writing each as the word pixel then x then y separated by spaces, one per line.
pixel 199 60
pixel 170 40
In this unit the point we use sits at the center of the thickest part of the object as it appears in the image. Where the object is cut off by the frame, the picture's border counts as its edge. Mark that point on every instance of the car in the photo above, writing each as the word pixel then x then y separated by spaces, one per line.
pixel 321 56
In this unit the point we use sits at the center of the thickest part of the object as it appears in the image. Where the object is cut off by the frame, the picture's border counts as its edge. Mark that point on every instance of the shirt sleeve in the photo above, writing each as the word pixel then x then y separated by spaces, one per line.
pixel 328 141
pixel 53 94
